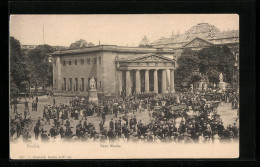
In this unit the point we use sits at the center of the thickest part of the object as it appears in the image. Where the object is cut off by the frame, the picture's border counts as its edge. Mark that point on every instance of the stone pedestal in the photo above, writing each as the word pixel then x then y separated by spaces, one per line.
pixel 222 85
pixel 92 95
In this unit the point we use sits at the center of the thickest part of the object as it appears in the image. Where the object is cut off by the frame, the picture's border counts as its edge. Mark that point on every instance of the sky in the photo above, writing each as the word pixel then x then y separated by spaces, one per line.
pixel 121 30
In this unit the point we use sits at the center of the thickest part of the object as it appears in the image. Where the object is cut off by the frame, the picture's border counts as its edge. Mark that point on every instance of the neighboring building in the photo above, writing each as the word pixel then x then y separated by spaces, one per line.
pixel 30 47
pixel 116 70
pixel 200 36
pixel 197 37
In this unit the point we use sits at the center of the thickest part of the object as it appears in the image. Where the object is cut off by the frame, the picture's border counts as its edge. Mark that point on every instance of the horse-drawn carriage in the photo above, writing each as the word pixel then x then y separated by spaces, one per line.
pixel 168 112
pixel 212 105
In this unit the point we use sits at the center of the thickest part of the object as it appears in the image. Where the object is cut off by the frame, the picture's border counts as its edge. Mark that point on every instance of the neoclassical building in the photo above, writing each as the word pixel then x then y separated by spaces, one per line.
pixel 149 67
pixel 197 37
pixel 116 69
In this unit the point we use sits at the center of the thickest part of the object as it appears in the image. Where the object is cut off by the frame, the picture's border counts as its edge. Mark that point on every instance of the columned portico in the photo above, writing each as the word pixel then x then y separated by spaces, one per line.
pixel 163 81
pixel 155 80
pixel 119 81
pixel 137 82
pixel 128 83
pixel 147 88
pixel 149 72
pixel 172 81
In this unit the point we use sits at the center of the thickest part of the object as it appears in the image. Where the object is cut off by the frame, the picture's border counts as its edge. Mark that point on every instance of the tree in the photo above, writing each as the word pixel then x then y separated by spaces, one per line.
pixel 40 67
pixel 208 62
pixel 216 60
pixel 213 76
pixel 80 44
pixel 188 62
pixel 18 71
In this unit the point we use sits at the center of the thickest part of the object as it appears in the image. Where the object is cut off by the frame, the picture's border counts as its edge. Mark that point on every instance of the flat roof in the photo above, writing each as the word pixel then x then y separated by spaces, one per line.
pixel 112 48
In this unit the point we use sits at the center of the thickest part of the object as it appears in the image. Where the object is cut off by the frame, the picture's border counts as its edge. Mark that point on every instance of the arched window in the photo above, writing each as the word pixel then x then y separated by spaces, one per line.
pixel 69 62
pixel 64 63
pixel 76 61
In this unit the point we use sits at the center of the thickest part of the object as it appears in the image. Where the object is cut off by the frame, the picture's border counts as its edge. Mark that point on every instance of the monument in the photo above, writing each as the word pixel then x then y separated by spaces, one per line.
pixel 221 85
pixel 92 93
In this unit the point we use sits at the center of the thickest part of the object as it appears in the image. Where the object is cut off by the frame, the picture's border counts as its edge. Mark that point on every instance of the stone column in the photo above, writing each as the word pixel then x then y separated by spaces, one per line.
pixel 172 81
pixel 163 81
pixel 128 83
pixel 147 89
pixel 59 80
pixel 155 76
pixel 119 81
pixel 137 82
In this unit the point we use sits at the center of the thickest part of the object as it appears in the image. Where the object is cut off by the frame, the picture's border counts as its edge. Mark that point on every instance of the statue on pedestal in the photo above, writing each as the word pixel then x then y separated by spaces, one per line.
pixel 222 85
pixel 92 93
pixel 92 83
pixel 220 77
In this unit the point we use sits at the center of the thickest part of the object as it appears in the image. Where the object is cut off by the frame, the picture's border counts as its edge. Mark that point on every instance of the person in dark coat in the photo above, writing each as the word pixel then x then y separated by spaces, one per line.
pixel 33 106
pixel 36 131
pixel 111 124
pixel 44 136
pixel 52 131
pixel 104 117
pixel 111 135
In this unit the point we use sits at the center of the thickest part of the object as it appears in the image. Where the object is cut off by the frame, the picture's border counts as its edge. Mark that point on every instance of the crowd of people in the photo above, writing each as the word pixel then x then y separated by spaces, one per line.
pixel 203 125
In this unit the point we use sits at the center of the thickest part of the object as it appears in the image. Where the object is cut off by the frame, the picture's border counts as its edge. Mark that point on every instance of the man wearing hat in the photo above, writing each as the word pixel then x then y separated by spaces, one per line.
pixel 52 131
pixel 36 131
pixel 111 124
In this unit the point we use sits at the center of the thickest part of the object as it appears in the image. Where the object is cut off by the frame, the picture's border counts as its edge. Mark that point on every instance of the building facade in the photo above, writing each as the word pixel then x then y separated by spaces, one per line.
pixel 116 70
pixel 197 37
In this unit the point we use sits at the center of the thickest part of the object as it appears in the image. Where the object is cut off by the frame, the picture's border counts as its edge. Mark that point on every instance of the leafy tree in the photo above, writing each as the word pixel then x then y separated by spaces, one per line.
pixel 188 62
pixel 195 77
pixel 80 44
pixel 213 76
pixel 39 65
pixel 216 60
pixel 18 71
pixel 209 62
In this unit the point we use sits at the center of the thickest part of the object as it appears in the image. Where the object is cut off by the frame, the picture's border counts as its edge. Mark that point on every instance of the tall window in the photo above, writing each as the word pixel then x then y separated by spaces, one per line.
pixel 100 84
pixel 64 84
pixel 99 60
pixel 88 60
pixel 95 60
pixel 76 61
pixel 69 62
pixel 64 63
pixel 82 84
pixel 82 61
pixel 70 84
pixel 76 84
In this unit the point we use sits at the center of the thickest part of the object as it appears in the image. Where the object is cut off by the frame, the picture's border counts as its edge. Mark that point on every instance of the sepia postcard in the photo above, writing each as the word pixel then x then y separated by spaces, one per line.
pixel 128 86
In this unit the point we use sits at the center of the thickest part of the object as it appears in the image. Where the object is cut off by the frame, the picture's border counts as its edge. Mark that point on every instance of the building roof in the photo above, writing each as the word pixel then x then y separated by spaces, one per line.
pixel 111 48
pixel 201 30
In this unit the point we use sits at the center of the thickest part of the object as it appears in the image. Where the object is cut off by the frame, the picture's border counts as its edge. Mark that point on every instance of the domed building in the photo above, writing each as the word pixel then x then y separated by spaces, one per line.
pixel 200 36
pixel 145 42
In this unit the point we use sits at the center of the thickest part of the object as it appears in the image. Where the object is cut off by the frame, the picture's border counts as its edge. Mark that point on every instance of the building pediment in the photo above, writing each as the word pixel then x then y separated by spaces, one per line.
pixel 198 42
pixel 147 58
